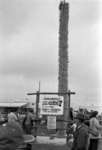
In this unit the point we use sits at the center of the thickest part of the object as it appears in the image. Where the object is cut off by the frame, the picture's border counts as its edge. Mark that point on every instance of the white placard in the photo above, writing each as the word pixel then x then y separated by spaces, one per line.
pixel 51 105
pixel 51 122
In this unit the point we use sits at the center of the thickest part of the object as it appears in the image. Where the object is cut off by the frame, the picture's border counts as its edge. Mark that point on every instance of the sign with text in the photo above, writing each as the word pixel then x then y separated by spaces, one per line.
pixel 51 122
pixel 51 105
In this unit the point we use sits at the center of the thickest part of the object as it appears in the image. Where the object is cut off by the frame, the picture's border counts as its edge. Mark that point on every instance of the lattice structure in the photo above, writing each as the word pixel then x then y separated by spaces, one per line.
pixel 63 60
pixel 63 48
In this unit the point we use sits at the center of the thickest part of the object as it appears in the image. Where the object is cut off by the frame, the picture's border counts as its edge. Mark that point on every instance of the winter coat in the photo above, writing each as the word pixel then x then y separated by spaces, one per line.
pixel 81 138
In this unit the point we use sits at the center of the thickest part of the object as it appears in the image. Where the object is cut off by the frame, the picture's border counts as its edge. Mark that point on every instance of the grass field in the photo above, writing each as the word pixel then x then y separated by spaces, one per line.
pixel 49 147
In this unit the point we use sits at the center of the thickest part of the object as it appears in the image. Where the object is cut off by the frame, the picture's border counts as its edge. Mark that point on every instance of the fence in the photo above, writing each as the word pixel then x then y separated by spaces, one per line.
pixel 66 107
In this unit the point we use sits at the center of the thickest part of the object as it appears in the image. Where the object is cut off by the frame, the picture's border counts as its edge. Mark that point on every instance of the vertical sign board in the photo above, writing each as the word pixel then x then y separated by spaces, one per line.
pixel 51 105
pixel 51 122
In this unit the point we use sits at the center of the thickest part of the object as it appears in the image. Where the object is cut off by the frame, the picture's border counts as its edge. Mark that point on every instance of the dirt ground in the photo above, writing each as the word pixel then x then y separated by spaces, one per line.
pixel 54 147
pixel 49 147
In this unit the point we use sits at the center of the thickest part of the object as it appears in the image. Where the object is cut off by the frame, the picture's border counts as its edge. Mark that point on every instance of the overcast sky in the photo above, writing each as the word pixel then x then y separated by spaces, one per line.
pixel 29 31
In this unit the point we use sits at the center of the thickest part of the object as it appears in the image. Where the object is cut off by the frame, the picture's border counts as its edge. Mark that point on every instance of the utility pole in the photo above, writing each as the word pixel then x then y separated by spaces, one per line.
pixel 37 101
pixel 39 86
pixel 37 104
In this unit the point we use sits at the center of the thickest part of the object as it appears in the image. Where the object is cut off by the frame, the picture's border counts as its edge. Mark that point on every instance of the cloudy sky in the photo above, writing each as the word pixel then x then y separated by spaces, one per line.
pixel 29 31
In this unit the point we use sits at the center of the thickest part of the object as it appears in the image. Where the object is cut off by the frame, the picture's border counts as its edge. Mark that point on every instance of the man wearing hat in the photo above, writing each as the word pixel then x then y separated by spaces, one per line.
pixel 81 134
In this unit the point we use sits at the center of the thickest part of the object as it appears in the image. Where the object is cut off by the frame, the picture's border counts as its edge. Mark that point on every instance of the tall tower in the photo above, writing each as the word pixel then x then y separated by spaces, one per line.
pixel 63 53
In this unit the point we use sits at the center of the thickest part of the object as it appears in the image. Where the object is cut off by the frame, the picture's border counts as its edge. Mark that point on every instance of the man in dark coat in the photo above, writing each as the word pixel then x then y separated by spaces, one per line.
pixel 81 135
pixel 28 121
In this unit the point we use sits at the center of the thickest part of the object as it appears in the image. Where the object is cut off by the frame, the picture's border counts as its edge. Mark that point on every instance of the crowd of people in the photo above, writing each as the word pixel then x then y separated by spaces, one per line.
pixel 86 131
pixel 83 131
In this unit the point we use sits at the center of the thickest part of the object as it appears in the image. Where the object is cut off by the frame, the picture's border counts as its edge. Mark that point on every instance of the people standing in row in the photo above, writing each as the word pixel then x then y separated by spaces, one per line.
pixel 87 133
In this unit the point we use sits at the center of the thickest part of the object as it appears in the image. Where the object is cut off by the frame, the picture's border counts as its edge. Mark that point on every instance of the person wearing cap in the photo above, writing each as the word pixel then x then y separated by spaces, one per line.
pixel 95 127
pixel 81 134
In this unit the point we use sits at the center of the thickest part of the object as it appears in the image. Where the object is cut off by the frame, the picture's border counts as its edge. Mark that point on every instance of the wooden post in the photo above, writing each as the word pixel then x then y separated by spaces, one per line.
pixel 37 104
